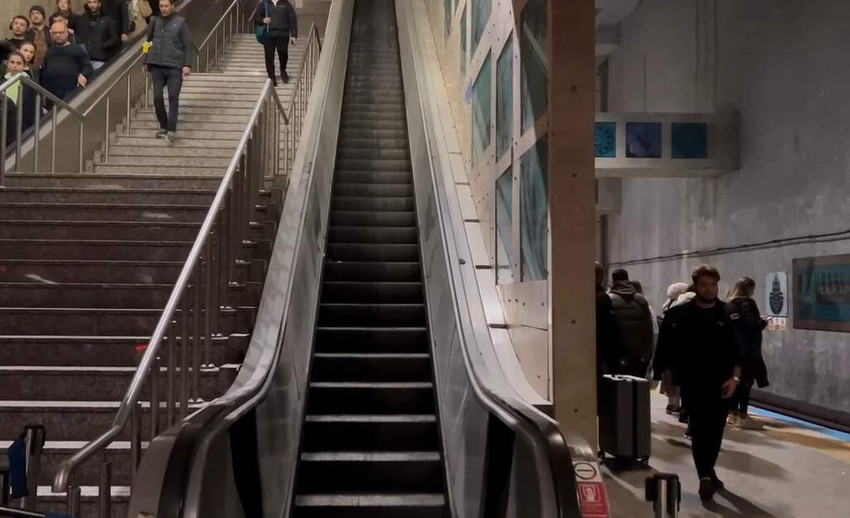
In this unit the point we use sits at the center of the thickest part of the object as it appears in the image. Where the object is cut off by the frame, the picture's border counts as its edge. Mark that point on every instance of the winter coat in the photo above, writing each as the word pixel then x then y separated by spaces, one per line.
pixel 171 46
pixel 748 326
pixel 633 321
pixel 606 334
pixel 99 34
pixel 284 20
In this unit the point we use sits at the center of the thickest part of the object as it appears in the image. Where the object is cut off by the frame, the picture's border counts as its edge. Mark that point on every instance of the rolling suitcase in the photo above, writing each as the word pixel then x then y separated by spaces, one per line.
pixel 624 420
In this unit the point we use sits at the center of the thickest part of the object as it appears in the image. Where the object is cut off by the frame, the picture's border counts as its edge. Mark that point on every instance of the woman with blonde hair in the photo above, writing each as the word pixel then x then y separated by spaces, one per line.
pixel 748 325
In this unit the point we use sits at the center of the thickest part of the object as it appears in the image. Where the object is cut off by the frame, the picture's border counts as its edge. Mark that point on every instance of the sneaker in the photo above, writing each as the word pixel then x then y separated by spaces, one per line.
pixel 717 483
pixel 170 137
pixel 748 423
pixel 706 489
pixel 733 420
pixel 284 77
pixel 683 416
pixel 673 410
pixel 160 133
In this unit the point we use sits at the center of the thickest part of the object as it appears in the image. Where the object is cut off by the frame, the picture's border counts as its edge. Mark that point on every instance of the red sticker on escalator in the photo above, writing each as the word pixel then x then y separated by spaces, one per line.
pixel 592 499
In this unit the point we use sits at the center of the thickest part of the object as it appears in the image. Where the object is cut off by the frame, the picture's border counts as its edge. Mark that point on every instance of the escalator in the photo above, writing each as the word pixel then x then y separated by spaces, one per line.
pixel 370 444
pixel 371 386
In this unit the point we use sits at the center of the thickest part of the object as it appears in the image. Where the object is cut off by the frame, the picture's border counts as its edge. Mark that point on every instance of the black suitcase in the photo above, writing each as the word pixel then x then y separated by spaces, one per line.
pixel 624 418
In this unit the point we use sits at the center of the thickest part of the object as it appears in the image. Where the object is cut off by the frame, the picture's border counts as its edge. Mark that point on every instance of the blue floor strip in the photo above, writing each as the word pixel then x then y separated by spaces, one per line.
pixel 835 434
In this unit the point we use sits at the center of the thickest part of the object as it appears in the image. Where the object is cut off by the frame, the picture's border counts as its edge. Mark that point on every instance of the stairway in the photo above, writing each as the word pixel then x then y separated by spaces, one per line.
pixel 87 262
pixel 370 444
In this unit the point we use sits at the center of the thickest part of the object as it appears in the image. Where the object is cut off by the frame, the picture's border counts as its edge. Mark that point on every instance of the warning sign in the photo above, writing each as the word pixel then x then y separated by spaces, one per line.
pixel 592 499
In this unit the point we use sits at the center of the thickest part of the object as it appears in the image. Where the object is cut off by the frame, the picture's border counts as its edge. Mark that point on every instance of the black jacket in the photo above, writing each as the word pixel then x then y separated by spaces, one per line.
pixel 748 326
pixel 99 34
pixel 171 45
pixel 606 334
pixel 633 321
pixel 73 19
pixel 705 349
pixel 284 20
pixel 62 66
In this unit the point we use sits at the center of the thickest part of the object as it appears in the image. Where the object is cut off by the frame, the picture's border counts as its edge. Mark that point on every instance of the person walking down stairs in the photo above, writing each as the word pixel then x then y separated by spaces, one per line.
pixel 281 29
pixel 168 59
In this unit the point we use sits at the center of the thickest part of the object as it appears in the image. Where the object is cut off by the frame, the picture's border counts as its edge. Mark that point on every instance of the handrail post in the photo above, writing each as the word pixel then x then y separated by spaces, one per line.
pixel 208 308
pixel 196 334
pixel 19 125
pixel 4 119
pixel 73 498
pixel 106 141
pixel 154 380
pixel 136 439
pixel 35 435
pixel 82 137
pixel 105 488
pixel 171 360
pixel 36 132
pixel 184 356
pixel 129 106
pixel 4 487
pixel 53 139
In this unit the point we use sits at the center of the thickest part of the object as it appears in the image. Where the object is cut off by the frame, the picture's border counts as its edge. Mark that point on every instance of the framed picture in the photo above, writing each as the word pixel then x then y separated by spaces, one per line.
pixel 822 293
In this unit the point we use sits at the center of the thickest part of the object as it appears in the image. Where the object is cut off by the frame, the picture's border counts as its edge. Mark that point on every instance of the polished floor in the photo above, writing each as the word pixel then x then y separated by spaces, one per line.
pixel 789 469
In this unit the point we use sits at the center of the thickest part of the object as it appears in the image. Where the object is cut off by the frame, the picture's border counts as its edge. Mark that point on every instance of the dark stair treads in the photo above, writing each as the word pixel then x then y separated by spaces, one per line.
pixel 370 398
pixel 117 196
pixel 372 315
pixel 101 351
pixel 103 212
pixel 371 145
pixel 373 164
pixel 371 150
pixel 372 234
pixel 105 230
pixel 133 181
pixel 384 367
pixel 104 322
pixel 375 292
pixel 373 133
pixel 373 176
pixel 102 271
pixel 372 272
pixel 372 190
pixel 370 472
pixel 90 249
pixel 370 432
pixel 373 219
pixel 371 506
pixel 385 203
pixel 371 340
pixel 372 252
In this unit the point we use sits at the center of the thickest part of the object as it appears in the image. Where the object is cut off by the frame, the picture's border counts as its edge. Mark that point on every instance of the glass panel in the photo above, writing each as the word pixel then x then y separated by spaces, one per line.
pixel 481 116
pixel 534 213
pixel 505 99
pixel 504 227
pixel 463 45
pixel 480 17
pixel 533 62
pixel 447 16
pixel 643 140
pixel 689 139
pixel 605 139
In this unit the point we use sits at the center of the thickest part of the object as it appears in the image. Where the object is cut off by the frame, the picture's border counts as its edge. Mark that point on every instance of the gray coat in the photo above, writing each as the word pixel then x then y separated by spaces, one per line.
pixel 171 44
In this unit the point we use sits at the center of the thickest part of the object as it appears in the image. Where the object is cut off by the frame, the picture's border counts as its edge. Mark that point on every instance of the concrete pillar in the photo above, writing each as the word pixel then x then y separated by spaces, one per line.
pixel 572 214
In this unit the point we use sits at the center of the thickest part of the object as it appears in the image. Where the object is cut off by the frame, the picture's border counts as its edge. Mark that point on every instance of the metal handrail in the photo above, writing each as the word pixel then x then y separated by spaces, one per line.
pixel 24 78
pixel 231 20
pixel 226 236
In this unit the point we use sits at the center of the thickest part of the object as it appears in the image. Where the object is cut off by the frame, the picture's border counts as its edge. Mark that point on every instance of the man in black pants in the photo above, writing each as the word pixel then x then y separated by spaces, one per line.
pixel 282 29
pixel 168 60
pixel 708 369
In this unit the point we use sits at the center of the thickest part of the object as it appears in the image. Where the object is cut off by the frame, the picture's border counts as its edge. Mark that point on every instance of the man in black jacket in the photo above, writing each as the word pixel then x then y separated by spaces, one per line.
pixel 66 66
pixel 282 29
pixel 633 324
pixel 98 33
pixel 168 60
pixel 707 367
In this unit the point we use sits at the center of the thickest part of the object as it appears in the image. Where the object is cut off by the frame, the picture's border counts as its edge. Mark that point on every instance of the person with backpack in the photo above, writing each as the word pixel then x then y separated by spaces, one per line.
pixel 98 33
pixel 277 28
pixel 634 326
pixel 168 59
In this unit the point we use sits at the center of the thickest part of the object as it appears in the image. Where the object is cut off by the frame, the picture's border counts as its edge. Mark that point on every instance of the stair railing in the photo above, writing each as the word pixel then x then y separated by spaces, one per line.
pixel 297 110
pixel 232 22
pixel 191 317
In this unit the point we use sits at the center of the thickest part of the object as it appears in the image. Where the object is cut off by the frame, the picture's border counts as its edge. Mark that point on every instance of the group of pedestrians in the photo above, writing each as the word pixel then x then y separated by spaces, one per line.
pixel 708 354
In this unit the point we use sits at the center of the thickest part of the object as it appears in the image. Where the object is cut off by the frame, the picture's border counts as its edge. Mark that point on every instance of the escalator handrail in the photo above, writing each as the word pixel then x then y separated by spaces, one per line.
pixel 490 384
pixel 25 79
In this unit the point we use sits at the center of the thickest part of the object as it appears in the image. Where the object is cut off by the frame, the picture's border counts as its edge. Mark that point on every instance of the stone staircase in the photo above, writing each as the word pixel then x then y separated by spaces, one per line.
pixel 87 262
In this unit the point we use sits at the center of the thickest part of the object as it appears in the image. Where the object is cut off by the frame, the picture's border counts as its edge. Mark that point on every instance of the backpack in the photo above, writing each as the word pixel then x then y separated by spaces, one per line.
pixel 262 30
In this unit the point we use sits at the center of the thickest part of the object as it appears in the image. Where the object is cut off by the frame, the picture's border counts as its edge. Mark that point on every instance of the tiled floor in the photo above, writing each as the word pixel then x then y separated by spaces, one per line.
pixel 787 470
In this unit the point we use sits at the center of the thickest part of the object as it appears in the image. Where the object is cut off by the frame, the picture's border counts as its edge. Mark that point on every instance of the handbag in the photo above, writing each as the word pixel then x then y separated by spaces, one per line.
pixel 262 30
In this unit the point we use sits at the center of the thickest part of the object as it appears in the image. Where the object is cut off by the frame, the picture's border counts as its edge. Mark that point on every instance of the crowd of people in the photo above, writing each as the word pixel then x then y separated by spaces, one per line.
pixel 706 353
pixel 63 51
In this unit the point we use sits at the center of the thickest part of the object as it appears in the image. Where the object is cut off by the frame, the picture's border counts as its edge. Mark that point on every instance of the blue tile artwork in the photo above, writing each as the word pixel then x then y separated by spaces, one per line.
pixel 689 140
pixel 605 139
pixel 643 140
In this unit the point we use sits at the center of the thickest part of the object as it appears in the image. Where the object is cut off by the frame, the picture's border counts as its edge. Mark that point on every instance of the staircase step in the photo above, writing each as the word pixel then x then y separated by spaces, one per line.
pixel 367 177
pixel 384 124
pixel 103 212
pixel 221 118
pixel 103 321
pixel 174 170
pixel 91 383
pixel 88 472
pixel 171 151
pixel 363 203
pixel 106 230
pixel 223 133
pixel 369 367
pixel 365 133
pixel 396 108
pixel 68 420
pixel 371 506
pixel 92 196
pixel 115 181
pixel 372 272
pixel 112 295
pixel 61 270
pixel 370 472
pixel 370 398
pixel 101 351
pixel 50 502
pixel 372 315
pixel 90 249
pixel 166 160
pixel 352 339
pixel 372 252
pixel 370 432
pixel 373 219
pixel 351 234
pixel 379 164
pixel 372 190
pixel 372 150
pixel 245 111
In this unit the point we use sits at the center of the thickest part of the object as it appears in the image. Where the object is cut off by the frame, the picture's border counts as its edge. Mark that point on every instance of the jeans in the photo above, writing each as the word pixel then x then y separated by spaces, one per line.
pixel 707 419
pixel 742 396
pixel 173 78
pixel 280 43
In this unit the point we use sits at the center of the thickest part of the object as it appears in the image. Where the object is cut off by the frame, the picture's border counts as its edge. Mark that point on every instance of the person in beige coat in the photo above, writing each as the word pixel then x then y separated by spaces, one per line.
pixel 139 11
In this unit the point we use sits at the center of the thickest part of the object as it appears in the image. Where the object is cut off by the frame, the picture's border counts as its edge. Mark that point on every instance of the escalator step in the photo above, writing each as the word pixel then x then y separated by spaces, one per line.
pixel 370 432
pixel 375 339
pixel 370 398
pixel 371 367
pixel 375 292
pixel 389 203
pixel 372 315
pixel 370 472
pixel 372 252
pixel 373 219
pixel 372 272
pixel 396 235
pixel 371 506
